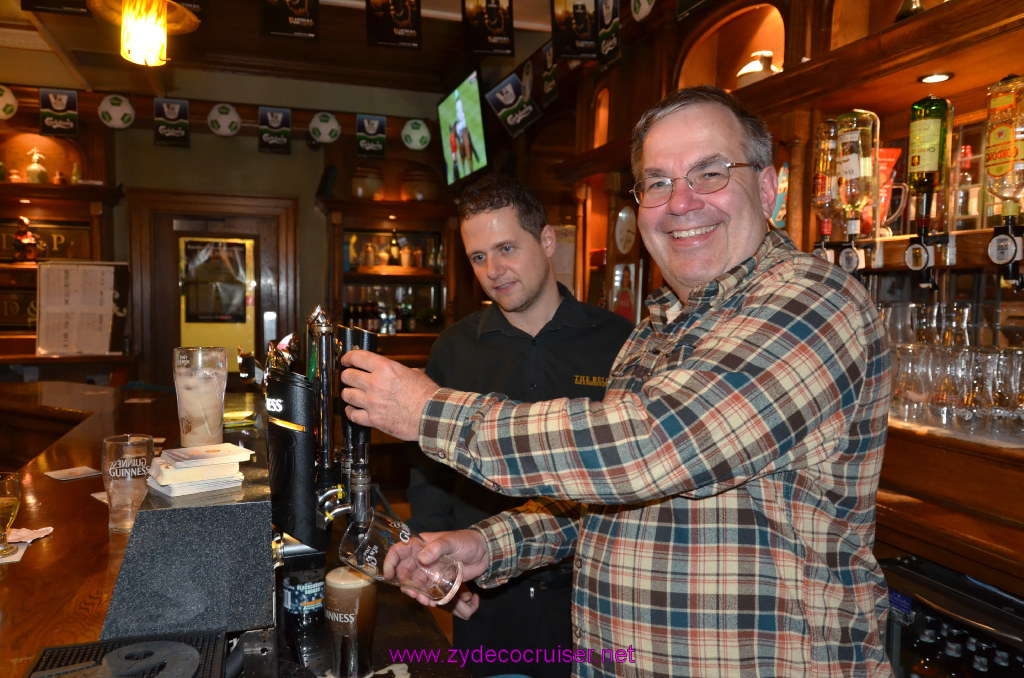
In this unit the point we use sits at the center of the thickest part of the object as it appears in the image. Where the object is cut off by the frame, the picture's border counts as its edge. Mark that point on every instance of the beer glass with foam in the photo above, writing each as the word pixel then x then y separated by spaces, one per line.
pixel 200 376
pixel 350 606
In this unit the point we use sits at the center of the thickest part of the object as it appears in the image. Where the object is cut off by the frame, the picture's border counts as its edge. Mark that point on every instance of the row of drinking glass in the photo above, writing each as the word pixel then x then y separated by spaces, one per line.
pixel 976 390
pixel 938 323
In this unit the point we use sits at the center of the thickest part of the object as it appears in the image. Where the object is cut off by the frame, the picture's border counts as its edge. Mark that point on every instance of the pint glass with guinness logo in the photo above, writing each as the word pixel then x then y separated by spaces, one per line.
pixel 350 606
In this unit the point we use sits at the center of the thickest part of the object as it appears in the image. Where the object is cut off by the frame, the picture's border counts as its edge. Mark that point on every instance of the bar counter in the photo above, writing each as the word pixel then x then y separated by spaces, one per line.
pixel 59 593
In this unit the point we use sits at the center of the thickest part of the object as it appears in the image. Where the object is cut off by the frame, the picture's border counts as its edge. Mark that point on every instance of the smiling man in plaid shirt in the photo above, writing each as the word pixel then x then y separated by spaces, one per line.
pixel 730 471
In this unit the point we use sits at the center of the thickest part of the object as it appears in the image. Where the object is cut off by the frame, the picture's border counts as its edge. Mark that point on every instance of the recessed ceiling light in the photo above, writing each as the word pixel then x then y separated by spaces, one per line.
pixel 935 77
pixel 25 201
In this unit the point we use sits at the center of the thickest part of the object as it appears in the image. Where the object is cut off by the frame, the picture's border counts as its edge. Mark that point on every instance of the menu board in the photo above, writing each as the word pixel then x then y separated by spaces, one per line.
pixel 82 308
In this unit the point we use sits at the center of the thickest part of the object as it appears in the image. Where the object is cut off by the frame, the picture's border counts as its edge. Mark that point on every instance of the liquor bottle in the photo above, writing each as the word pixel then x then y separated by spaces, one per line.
pixel 1004 173
pixel 408 317
pixel 394 250
pixel 302 594
pixel 857 167
pixel 964 181
pixel 981 662
pixel 440 258
pixel 951 663
pixel 927 651
pixel 908 9
pixel 929 157
pixel 825 182
pixel 1000 662
pixel 912 652
pixel 1004 153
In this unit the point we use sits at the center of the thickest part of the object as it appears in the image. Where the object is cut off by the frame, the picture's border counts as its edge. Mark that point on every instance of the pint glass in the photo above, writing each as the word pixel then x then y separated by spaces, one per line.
pixel 125 461
pixel 200 376
pixel 350 606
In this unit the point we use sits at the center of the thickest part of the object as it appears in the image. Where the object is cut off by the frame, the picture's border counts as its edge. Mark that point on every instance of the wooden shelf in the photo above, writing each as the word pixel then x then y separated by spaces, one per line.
pixel 955 502
pixel 422 210
pixel 970 38
pixel 50 192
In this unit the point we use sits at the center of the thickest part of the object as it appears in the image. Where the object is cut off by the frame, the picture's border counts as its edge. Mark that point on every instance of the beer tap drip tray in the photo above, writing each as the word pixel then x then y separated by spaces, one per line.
pixel 169 654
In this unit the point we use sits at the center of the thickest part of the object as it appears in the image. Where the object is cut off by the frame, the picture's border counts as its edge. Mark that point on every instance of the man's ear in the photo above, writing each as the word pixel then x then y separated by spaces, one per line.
pixel 548 240
pixel 769 188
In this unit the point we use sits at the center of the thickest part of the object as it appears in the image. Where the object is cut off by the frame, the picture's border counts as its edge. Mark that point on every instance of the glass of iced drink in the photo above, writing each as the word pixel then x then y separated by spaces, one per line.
pixel 200 376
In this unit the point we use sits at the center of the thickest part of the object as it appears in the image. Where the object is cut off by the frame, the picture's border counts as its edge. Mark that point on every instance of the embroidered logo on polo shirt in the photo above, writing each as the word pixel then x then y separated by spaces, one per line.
pixel 584 380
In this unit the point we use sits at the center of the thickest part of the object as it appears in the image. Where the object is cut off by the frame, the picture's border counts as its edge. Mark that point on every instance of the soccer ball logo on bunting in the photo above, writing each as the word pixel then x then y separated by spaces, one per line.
pixel 324 128
pixel 116 111
pixel 224 120
pixel 415 135
pixel 8 103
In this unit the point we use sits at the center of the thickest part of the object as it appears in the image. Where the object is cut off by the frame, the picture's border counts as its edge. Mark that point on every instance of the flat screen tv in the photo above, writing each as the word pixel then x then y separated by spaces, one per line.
pixel 460 117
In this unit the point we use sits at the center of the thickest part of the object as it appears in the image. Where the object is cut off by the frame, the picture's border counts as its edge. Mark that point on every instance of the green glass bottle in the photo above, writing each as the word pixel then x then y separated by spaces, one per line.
pixel 928 162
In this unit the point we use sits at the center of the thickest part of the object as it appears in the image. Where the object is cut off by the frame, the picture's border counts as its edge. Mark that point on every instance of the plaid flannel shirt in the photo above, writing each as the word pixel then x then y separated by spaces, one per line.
pixel 729 474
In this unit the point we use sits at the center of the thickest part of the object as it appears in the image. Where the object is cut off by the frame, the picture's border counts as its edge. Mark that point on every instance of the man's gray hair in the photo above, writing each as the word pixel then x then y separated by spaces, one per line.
pixel 758 141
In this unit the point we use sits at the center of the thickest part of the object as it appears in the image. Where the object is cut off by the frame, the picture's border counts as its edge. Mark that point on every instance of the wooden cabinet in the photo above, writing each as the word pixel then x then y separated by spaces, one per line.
pixel 408 295
pixel 72 221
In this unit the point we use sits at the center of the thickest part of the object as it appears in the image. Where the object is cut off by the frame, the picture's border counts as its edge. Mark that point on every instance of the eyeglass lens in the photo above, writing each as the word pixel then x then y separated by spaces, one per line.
pixel 704 178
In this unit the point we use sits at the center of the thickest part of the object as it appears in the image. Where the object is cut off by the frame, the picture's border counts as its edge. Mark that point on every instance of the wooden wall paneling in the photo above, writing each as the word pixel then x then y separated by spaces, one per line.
pixel 801 19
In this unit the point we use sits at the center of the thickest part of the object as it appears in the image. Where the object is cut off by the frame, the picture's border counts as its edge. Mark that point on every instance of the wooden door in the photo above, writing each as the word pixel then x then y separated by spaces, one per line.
pixel 162 226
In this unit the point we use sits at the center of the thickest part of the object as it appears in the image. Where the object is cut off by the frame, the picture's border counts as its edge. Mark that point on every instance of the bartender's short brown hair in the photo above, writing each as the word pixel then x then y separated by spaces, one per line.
pixel 497 191
pixel 758 142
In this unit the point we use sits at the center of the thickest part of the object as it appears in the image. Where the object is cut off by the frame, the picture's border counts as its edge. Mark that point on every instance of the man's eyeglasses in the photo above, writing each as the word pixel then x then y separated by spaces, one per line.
pixel 703 178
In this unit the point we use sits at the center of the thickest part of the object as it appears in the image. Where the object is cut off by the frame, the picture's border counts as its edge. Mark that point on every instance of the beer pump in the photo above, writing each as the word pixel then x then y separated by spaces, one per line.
pixel 314 478
pixel 310 484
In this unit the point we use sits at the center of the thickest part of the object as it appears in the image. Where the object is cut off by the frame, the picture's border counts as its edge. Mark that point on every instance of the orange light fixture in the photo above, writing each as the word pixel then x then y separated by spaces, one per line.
pixel 144 32
pixel 145 25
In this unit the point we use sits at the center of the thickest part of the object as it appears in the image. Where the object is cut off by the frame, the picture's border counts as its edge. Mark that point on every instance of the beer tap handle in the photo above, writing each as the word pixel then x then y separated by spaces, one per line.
pixel 358 438
pixel 352 338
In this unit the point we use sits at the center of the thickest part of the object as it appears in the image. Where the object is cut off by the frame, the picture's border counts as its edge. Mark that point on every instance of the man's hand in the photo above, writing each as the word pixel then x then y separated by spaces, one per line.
pixel 384 394
pixel 467 546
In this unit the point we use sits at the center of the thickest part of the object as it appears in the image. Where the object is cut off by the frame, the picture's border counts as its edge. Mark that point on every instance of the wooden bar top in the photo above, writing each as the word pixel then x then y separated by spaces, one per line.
pixel 59 592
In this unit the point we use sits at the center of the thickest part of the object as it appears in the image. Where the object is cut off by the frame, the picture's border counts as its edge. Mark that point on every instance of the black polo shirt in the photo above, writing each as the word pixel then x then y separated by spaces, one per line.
pixel 570 357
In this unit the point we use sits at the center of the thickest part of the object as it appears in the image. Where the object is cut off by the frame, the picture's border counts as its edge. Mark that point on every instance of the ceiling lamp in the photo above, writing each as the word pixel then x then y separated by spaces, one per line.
pixel 145 25
pixel 935 77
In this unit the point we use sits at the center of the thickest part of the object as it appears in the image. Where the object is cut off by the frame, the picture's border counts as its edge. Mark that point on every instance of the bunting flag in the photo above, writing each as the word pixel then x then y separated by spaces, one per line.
pixel 290 18
pixel 275 130
pixel 609 49
pixel 393 23
pixel 574 29
pixel 487 25
pixel 170 122
pixel 58 112
pixel 371 136
pixel 515 111
pixel 549 73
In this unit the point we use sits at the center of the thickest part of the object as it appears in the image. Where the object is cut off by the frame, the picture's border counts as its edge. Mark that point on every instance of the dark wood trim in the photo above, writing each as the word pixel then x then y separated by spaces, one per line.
pixel 143 204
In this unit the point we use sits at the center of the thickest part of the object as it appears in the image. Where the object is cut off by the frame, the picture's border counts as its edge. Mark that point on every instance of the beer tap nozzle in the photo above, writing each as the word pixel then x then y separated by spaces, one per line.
pixel 321 366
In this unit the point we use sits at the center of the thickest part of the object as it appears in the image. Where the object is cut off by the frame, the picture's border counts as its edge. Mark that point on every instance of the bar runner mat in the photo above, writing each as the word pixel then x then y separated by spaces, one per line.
pixel 68 660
